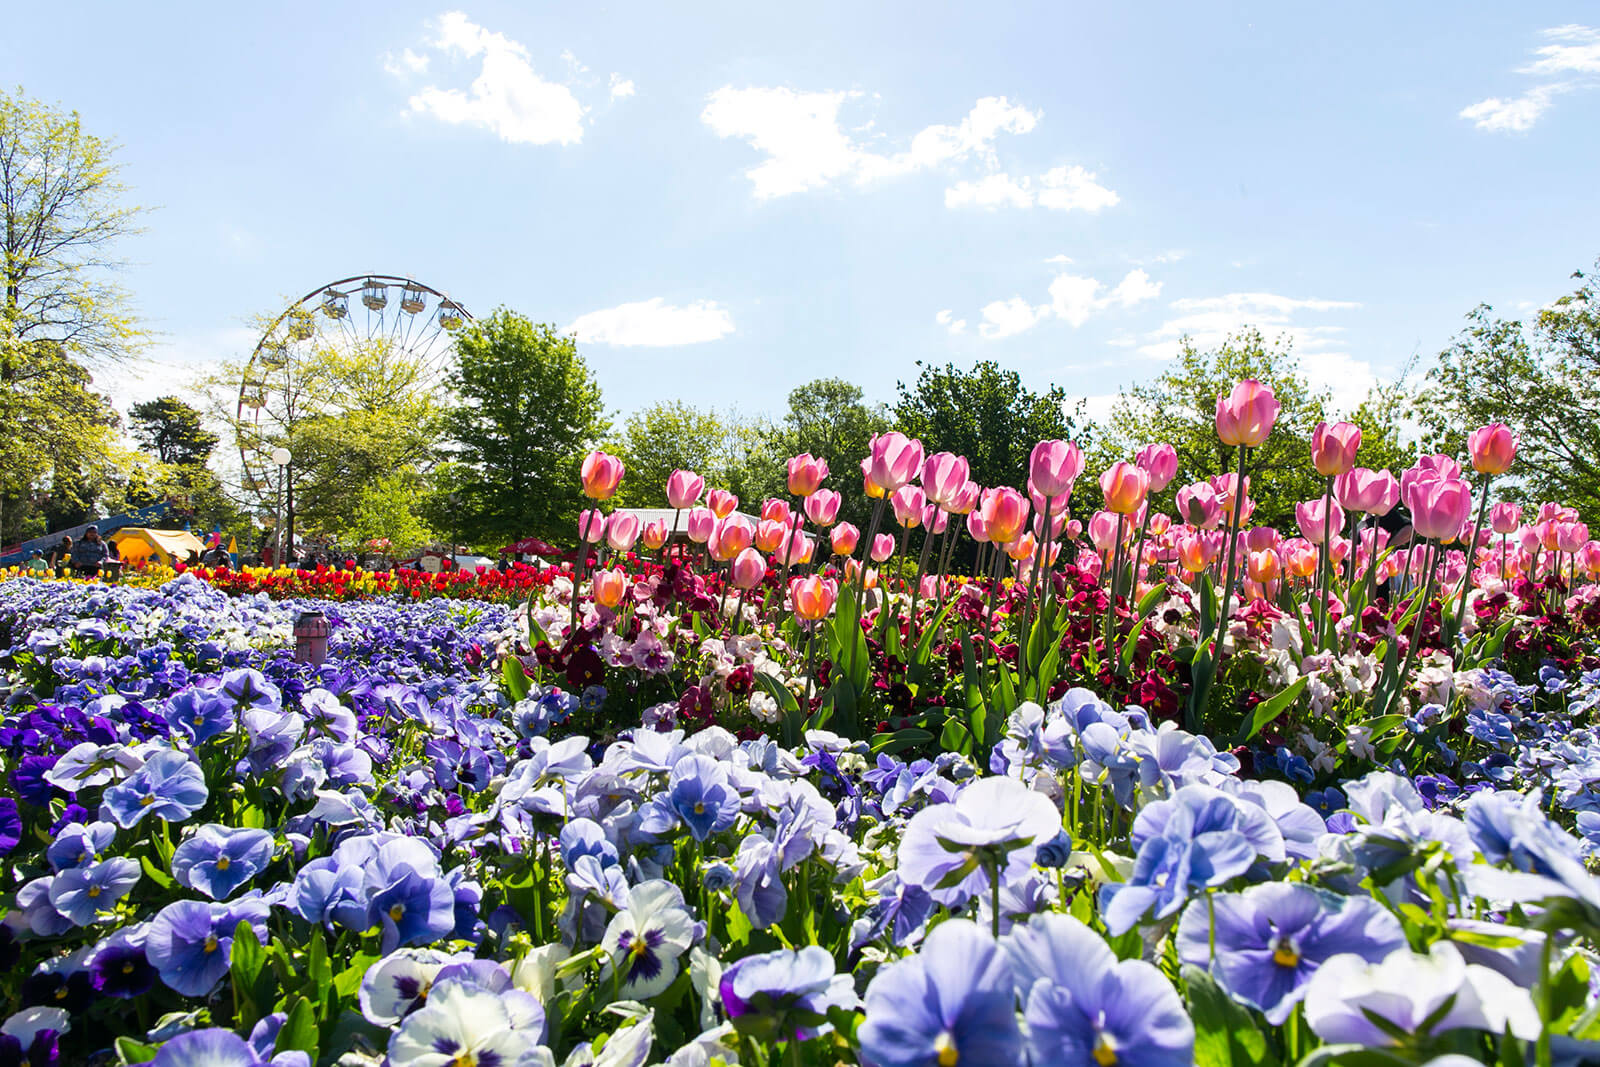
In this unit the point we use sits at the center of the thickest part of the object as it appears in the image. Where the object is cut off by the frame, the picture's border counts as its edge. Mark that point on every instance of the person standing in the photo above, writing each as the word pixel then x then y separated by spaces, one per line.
pixel 90 554
pixel 35 565
pixel 61 557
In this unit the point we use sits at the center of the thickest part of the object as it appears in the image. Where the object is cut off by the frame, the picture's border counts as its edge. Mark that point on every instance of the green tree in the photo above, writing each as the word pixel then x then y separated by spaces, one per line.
pixel 986 415
pixel 529 409
pixel 671 435
pixel 831 419
pixel 1179 407
pixel 60 216
pixel 388 509
pixel 1542 379
pixel 171 430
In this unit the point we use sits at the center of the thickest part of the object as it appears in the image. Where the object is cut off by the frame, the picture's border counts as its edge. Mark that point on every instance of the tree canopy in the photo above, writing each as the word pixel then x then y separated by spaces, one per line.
pixel 528 410
pixel 171 429
pixel 1541 378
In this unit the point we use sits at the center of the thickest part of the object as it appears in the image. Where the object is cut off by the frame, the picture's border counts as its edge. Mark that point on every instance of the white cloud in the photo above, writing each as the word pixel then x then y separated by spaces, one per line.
pixel 1208 321
pixel 806 148
pixel 654 323
pixel 507 97
pixel 1573 61
pixel 948 320
pixel 407 62
pixel 1003 318
pixel 994 190
pixel 1074 189
pixel 621 87
pixel 1058 258
pixel 1073 299
pixel 1060 189
pixel 1517 113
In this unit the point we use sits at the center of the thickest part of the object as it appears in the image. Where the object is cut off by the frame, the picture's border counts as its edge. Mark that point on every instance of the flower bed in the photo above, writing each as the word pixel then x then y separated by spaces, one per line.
pixel 416 851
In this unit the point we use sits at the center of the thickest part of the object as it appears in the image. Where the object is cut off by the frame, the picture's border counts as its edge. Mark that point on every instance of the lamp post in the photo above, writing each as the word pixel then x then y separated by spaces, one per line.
pixel 282 457
pixel 455 527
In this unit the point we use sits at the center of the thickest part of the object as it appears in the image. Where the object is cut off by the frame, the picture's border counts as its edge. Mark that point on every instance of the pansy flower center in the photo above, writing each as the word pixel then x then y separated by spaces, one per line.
pixel 211 942
pixel 223 863
pixel 397 912
pixel 127 967
pixel 1284 954
pixel 700 807
pixel 146 801
pixel 1105 1050
pixel 945 1046
pixel 94 891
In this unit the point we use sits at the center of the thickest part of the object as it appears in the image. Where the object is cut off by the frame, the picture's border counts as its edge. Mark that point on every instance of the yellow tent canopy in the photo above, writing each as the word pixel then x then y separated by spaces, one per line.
pixel 136 544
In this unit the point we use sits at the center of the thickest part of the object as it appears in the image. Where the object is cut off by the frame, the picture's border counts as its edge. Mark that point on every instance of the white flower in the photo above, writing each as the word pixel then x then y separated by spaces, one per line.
pixel 763 707
pixel 1358 744
pixel 460 1024
pixel 400 981
pixel 536 972
pixel 645 940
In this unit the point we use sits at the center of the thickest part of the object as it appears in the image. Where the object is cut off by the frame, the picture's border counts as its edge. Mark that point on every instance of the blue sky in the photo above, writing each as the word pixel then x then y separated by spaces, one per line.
pixel 729 199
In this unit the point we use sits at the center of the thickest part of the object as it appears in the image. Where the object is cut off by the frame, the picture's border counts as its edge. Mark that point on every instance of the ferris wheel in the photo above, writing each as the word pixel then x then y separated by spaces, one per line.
pixel 402 314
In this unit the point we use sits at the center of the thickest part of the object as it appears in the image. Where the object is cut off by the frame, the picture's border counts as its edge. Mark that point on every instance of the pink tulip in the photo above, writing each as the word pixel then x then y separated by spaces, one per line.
pixel 1439 507
pixel 1245 416
pixel 873 490
pixel 1200 506
pixel 895 460
pixel 1160 523
pixel 770 534
pixel 1124 486
pixel 684 489
pixel 775 510
pixel 1058 523
pixel 882 547
pixel 908 502
pixel 623 530
pixel 609 586
pixel 1312 515
pixel 1589 558
pixel 964 500
pixel 1160 461
pixel 1103 530
pixel 1368 492
pixel 601 473
pixel 944 474
pixel 732 536
pixel 806 473
pixel 793 548
pixel 845 537
pixel 1073 530
pixel 1551 510
pixel 701 523
pixel 1196 552
pixel 1261 538
pixel 1021 548
pixel 1056 504
pixel 591 525
pixel 1505 517
pixel 1005 513
pixel 1333 447
pixel 934 518
pixel 749 568
pixel 1441 465
pixel 1091 565
pixel 813 596
pixel 1493 448
pixel 1054 466
pixel 722 503
pixel 1570 536
pixel 822 507
pixel 977 527
pixel 655 534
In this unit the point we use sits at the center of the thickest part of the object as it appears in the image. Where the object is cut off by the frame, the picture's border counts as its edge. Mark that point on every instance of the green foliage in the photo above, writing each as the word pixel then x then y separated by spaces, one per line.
pixel 831 419
pixel 670 435
pixel 171 429
pixel 387 508
pixel 986 415
pixel 1542 379
pixel 529 410
pixel 1179 407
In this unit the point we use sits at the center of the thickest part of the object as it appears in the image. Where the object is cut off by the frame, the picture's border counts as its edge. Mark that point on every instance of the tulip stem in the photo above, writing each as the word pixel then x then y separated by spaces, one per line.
pixel 861 578
pixel 1429 558
pixel 1323 579
pixel 1472 552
